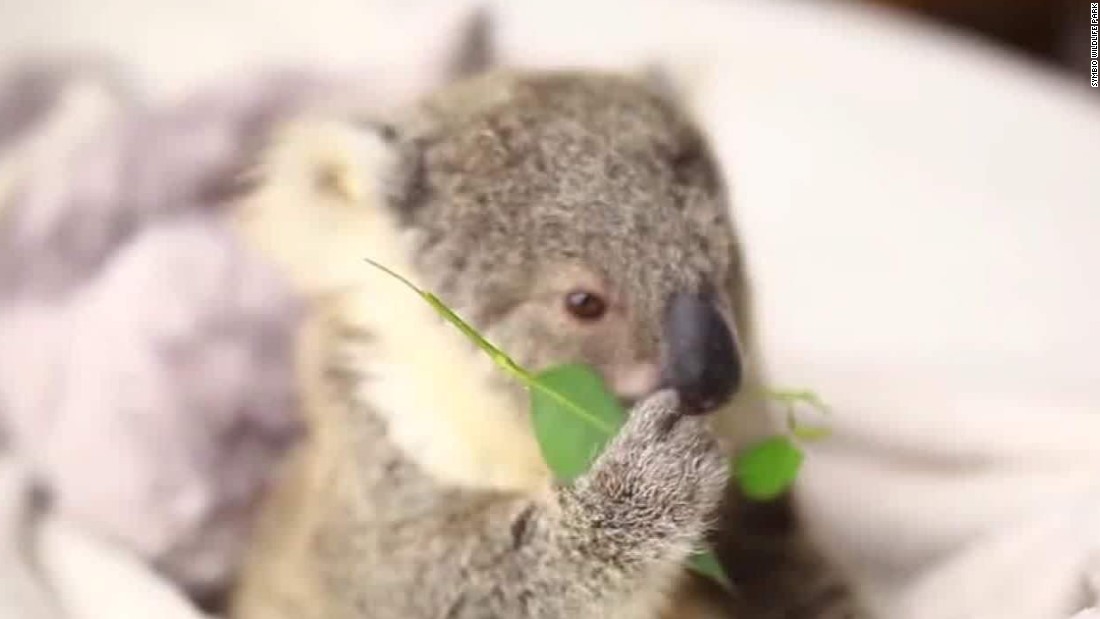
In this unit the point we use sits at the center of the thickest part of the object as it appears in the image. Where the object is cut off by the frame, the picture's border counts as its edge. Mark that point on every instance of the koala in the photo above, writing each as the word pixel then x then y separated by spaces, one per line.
pixel 569 216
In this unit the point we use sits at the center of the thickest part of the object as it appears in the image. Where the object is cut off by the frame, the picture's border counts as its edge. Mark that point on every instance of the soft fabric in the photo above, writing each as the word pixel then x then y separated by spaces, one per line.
pixel 24 593
pixel 53 569
pixel 146 367
pixel 146 380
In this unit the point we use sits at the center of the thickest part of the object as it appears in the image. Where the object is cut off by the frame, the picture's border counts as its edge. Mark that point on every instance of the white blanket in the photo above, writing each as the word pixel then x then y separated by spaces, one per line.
pixel 50 569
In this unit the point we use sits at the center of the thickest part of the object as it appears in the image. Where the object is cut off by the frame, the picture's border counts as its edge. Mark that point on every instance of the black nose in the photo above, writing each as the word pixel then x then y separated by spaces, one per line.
pixel 701 357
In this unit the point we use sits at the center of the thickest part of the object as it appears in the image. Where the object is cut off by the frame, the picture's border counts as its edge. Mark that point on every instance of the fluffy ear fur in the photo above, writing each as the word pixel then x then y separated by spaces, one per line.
pixel 321 182
pixel 660 79
pixel 678 82
pixel 476 52
pixel 323 206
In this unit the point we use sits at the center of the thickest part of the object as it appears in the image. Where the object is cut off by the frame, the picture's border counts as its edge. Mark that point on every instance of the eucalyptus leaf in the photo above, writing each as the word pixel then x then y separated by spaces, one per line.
pixel 804 432
pixel 810 434
pixel 790 397
pixel 707 564
pixel 497 355
pixel 768 468
pixel 574 415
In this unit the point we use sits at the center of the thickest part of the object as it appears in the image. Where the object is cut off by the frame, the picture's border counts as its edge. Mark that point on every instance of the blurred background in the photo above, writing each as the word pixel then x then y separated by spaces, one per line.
pixel 1050 31
pixel 915 182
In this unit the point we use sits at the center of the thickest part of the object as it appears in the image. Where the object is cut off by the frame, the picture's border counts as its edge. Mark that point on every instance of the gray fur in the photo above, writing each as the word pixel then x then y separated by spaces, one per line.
pixel 514 186
pixel 456 553
pixel 570 169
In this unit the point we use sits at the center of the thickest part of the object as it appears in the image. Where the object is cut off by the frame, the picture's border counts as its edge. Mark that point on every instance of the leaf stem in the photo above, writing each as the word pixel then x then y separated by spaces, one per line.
pixel 498 356
pixel 705 563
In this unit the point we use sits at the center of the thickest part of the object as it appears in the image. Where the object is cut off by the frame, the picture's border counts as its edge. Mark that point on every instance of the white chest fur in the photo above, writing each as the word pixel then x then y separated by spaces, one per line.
pixel 319 213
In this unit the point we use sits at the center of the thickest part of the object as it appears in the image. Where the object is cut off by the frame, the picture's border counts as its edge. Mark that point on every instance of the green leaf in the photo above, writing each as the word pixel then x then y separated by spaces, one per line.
pixel 707 564
pixel 790 397
pixel 810 434
pixel 803 432
pixel 497 355
pixel 574 415
pixel 768 468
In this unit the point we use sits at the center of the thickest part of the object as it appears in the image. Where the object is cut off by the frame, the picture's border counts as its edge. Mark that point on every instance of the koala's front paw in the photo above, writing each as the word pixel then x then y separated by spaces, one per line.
pixel 661 478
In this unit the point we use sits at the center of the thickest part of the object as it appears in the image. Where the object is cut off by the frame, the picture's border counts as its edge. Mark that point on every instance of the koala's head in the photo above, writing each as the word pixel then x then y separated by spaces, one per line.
pixel 577 217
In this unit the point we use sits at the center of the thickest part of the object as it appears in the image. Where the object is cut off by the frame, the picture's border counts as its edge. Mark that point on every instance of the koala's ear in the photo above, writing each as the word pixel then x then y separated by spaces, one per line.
pixel 475 52
pixel 327 157
pixel 317 199
pixel 659 79
pixel 676 82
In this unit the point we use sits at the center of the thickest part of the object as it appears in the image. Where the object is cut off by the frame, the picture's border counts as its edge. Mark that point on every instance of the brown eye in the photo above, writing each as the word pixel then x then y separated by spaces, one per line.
pixel 585 305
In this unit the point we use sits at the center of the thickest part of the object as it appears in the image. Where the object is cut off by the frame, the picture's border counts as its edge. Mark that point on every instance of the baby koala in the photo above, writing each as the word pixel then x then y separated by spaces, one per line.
pixel 571 217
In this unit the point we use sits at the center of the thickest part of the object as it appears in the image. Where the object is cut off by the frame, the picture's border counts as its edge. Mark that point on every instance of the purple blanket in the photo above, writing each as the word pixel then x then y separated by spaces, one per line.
pixel 145 355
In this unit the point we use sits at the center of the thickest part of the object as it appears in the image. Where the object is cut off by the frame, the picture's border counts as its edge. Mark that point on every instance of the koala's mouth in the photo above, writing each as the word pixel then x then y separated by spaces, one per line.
pixel 634 382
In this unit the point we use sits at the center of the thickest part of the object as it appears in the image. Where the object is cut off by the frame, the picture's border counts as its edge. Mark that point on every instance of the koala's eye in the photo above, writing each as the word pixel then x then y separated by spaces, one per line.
pixel 585 305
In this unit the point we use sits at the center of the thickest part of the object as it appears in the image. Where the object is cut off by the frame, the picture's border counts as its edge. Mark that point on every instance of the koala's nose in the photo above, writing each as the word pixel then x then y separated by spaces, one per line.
pixel 700 357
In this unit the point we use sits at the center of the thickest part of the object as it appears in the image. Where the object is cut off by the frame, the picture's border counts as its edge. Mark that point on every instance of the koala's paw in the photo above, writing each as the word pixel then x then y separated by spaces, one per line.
pixel 662 477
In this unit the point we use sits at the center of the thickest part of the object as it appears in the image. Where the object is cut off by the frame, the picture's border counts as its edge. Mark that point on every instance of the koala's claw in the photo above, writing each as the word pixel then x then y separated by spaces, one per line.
pixel 663 473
